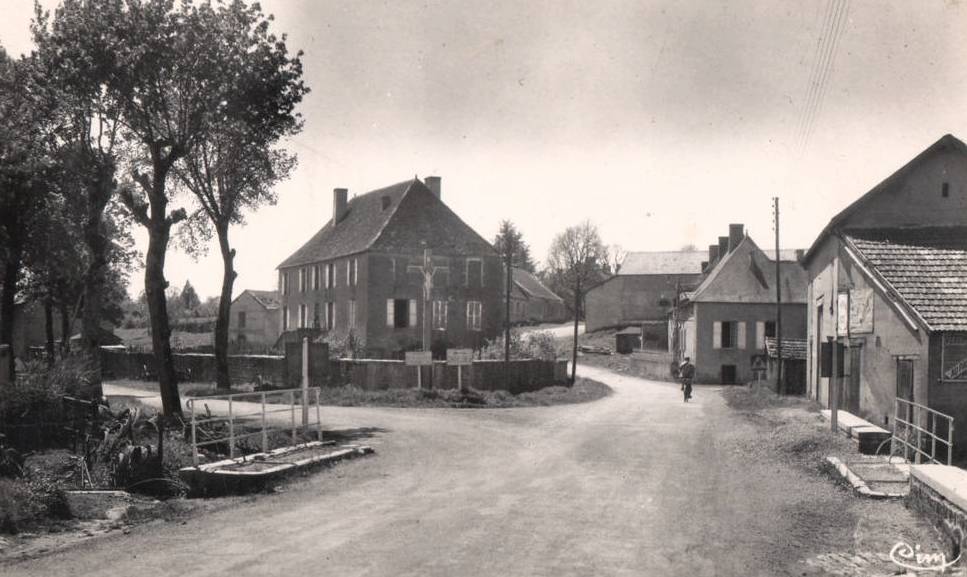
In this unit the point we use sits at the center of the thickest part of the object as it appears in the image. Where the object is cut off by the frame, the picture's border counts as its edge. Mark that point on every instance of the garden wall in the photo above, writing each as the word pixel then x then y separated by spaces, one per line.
pixel 939 493
pixel 486 375
pixel 242 368
pixel 654 364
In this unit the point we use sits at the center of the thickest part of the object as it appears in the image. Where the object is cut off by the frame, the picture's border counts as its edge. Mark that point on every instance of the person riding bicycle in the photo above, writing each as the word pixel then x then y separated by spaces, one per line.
pixel 687 372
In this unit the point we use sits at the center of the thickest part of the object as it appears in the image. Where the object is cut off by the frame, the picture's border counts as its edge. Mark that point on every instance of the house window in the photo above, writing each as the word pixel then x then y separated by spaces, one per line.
pixel 285 318
pixel 764 329
pixel 302 280
pixel 400 313
pixel 303 315
pixel 330 315
pixel 474 272
pixel 440 315
pixel 284 282
pixel 351 270
pixel 352 314
pixel 474 314
pixel 728 335
pixel 315 277
pixel 330 275
pixel 241 319
pixel 945 189
pixel 315 315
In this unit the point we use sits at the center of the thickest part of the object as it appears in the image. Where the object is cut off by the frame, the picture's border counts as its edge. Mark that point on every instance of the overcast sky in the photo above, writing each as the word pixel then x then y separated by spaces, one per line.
pixel 661 122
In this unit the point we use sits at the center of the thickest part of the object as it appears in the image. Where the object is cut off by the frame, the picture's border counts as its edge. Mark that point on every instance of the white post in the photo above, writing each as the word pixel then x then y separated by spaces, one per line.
pixel 231 430
pixel 460 377
pixel 305 383
pixel 265 433
pixel 419 376
pixel 318 418
pixel 194 433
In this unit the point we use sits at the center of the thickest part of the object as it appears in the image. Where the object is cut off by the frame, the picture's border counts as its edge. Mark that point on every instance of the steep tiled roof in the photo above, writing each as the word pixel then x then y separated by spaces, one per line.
pixel 364 220
pixel 791 348
pixel 748 275
pixel 673 262
pixel 268 299
pixel 927 267
pixel 532 286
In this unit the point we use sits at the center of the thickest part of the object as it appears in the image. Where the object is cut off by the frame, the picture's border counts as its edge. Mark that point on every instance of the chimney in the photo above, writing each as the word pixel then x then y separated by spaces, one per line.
pixel 713 254
pixel 736 234
pixel 704 266
pixel 723 246
pixel 339 196
pixel 800 253
pixel 433 183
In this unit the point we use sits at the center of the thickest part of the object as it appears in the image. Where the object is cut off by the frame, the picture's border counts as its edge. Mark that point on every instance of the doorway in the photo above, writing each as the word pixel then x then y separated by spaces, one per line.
pixel 852 400
pixel 904 379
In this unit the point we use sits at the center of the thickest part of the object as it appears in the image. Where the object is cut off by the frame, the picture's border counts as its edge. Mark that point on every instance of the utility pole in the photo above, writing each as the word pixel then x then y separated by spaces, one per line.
pixel 780 381
pixel 833 384
pixel 509 249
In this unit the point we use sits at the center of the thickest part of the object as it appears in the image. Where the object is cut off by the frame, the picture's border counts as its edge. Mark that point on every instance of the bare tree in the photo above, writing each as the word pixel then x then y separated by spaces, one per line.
pixel 577 258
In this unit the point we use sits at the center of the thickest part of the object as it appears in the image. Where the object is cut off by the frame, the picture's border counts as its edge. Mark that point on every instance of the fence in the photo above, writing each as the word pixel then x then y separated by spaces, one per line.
pixel 916 426
pixel 239 424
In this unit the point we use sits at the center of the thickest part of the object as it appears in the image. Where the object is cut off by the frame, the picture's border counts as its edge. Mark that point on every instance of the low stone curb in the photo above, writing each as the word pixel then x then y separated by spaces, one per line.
pixel 858 484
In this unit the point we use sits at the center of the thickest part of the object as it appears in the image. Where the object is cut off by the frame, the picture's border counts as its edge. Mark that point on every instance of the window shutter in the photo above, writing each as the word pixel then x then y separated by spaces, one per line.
pixel 390 320
pixel 325 269
pixel 741 334
pixel 412 312
pixel 333 324
pixel 349 272
pixel 760 335
pixel 717 335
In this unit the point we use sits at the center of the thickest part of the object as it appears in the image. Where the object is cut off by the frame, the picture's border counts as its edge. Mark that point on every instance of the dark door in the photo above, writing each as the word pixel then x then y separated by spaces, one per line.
pixel 728 374
pixel 852 387
pixel 819 354
pixel 904 379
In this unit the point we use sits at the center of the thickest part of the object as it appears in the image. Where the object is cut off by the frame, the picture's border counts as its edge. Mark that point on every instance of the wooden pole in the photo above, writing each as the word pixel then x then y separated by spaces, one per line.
pixel 833 387
pixel 305 383
pixel 510 281
pixel 780 382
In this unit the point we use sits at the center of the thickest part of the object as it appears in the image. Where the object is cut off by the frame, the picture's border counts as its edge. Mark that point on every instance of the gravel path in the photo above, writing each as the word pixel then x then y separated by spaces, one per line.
pixel 635 484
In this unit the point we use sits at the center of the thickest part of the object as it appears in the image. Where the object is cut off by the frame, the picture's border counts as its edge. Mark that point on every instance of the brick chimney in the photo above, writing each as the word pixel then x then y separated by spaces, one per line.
pixel 713 254
pixel 433 183
pixel 736 234
pixel 723 246
pixel 339 204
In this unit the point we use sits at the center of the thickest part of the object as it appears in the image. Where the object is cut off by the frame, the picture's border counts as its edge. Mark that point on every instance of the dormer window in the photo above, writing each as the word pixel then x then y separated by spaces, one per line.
pixel 945 189
pixel 386 202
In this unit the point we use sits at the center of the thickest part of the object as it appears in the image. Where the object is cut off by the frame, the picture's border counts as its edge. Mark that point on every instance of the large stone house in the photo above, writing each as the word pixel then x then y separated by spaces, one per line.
pixel 643 293
pixel 724 323
pixel 365 272
pixel 256 318
pixel 888 281
pixel 532 302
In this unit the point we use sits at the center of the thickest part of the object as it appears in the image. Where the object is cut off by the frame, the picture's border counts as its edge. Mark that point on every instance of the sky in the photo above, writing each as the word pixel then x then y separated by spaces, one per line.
pixel 661 122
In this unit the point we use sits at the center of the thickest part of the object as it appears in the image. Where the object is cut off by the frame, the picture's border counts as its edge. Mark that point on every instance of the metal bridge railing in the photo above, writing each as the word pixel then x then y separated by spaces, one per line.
pixel 244 412
pixel 918 429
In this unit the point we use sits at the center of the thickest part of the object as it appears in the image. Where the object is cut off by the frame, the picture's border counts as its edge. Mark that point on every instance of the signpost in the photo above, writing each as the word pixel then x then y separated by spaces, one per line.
pixel 419 359
pixel 459 358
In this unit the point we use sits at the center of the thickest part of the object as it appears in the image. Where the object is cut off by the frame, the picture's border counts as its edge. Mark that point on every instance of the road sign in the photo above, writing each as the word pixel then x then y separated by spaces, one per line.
pixel 419 358
pixel 459 357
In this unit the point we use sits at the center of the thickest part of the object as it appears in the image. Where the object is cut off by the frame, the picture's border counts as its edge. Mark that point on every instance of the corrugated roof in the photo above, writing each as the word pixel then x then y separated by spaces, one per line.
pixel 532 286
pixel 794 349
pixel 364 221
pixel 671 262
pixel 927 267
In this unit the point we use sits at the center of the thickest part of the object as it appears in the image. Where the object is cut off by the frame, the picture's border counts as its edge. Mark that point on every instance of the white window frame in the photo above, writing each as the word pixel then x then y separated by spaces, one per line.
pixel 467 270
pixel 352 313
pixel 439 320
pixel 474 315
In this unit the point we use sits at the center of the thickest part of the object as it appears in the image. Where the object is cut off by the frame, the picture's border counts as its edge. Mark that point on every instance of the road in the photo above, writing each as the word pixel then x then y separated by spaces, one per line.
pixel 638 483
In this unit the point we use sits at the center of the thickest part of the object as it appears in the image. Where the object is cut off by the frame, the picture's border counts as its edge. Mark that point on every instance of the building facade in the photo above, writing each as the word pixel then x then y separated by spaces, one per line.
pixel 724 324
pixel 888 281
pixel 256 318
pixel 531 302
pixel 369 270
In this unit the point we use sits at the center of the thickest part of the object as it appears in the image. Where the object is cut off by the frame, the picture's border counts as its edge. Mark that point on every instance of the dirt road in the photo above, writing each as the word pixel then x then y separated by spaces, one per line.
pixel 636 484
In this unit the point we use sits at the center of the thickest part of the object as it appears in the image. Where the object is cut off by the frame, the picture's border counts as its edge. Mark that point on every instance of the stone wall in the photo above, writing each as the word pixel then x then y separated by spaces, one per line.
pixel 938 492
pixel 525 375
pixel 654 365
pixel 242 368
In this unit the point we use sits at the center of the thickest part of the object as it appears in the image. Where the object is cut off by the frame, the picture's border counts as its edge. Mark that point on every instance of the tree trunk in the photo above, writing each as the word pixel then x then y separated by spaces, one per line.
pixel 98 195
pixel 65 329
pixel 159 232
pixel 11 274
pixel 577 316
pixel 222 378
pixel 49 330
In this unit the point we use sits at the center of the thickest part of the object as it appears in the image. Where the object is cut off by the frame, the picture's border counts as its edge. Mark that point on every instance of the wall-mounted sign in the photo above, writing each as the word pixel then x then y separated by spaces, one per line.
pixel 842 314
pixel 861 311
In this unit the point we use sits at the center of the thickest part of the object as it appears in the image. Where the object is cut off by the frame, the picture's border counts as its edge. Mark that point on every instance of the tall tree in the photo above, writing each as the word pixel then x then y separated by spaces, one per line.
pixel 24 189
pixel 189 298
pixel 235 164
pixel 522 254
pixel 577 258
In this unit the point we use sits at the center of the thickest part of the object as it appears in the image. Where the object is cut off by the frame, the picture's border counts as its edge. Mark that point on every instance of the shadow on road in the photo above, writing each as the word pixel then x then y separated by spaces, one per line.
pixel 351 435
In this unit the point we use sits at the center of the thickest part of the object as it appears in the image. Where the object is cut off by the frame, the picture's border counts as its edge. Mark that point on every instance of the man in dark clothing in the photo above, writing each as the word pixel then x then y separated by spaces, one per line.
pixel 687 372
